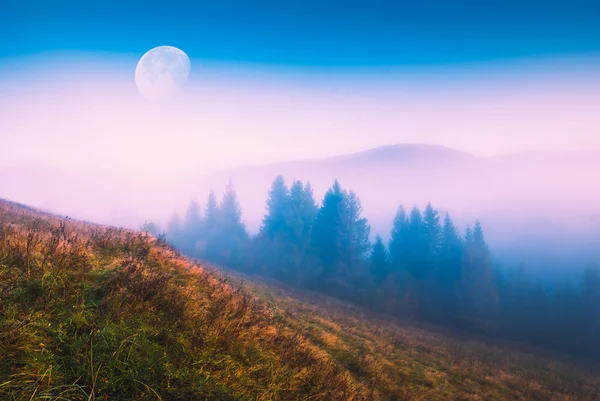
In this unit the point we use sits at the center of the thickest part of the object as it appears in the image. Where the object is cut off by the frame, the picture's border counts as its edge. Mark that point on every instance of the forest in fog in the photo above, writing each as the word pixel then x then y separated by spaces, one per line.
pixel 428 270
pixel 538 209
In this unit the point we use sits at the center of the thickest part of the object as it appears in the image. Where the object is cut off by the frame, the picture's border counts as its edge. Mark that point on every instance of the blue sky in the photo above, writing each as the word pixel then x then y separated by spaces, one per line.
pixel 287 79
pixel 308 33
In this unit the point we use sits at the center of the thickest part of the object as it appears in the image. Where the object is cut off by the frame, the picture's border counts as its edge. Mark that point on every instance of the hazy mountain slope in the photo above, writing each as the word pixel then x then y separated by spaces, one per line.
pixel 530 203
pixel 383 178
pixel 413 174
pixel 88 312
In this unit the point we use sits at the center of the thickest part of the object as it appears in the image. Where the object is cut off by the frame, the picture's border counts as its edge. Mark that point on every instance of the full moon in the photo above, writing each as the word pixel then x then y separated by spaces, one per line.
pixel 162 72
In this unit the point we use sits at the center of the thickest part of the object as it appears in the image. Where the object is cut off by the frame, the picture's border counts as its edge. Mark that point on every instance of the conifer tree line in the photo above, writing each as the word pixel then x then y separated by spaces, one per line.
pixel 428 270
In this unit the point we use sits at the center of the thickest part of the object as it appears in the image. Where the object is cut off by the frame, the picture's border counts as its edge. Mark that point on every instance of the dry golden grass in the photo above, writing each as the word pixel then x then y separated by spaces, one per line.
pixel 89 312
pixel 401 360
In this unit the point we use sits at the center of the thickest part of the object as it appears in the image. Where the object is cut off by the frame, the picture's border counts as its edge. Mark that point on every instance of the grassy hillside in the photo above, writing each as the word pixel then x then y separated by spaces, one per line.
pixel 88 312
pixel 95 313
pixel 402 361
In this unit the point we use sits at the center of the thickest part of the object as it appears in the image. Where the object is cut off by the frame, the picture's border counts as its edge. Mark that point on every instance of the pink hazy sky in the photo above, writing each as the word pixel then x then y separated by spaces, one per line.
pixel 74 110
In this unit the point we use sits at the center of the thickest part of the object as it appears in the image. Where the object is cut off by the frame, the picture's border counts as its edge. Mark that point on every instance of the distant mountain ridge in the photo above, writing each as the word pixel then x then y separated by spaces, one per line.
pixel 399 153
pixel 408 152
pixel 416 155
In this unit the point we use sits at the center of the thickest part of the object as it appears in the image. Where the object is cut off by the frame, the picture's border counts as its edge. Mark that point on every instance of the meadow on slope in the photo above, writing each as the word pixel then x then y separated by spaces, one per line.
pixel 405 360
pixel 93 313
pixel 89 312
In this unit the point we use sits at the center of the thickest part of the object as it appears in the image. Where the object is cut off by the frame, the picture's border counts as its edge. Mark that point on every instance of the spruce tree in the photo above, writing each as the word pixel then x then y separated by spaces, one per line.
pixel 478 237
pixel 478 295
pixel 192 227
pixel 296 212
pixel 432 231
pixel 273 239
pixel 450 252
pixel 231 234
pixel 379 261
pixel 174 230
pixel 355 232
pixel 309 212
pixel 211 214
pixel 397 289
pixel 417 246
pixel 275 222
pixel 207 246
pixel 301 217
pixel 230 212
pixel 398 244
pixel 447 277
pixel 230 216
pixel 468 236
pixel 327 231
pixel 432 237
pixel 303 210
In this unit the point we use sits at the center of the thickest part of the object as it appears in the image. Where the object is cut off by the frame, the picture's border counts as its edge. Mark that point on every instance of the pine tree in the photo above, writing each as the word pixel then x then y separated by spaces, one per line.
pixel 192 227
pixel 478 295
pixel 327 231
pixel 207 246
pixel 379 262
pixel 355 233
pixel 300 219
pixel 275 222
pixel 398 244
pixel 296 219
pixel 211 213
pixel 447 276
pixel 341 240
pixel 303 210
pixel 432 230
pixel 468 236
pixel 397 289
pixel 309 212
pixel 274 236
pixel 417 246
pixel 478 237
pixel 450 252
pixel 193 216
pixel 231 232
pixel 174 230
pixel 230 212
